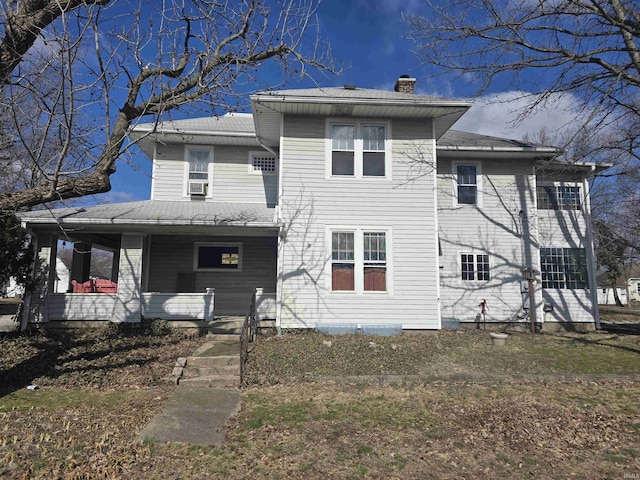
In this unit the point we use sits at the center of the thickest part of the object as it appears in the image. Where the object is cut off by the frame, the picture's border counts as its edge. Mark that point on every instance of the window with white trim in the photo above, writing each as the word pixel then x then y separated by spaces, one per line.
pixel 563 268
pixel 342 262
pixel 474 266
pixel 342 149
pixel 558 197
pixel 375 261
pixel 262 163
pixel 467 184
pixel 198 160
pixel 358 149
pixel 359 261
pixel 217 256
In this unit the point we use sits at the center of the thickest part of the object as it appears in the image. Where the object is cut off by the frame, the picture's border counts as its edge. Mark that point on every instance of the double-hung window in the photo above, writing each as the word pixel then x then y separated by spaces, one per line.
pixel 373 150
pixel 198 162
pixel 563 268
pixel 375 261
pixel 558 197
pixel 467 180
pixel 474 266
pixel 360 150
pixel 342 149
pixel 359 260
pixel 467 183
pixel 342 261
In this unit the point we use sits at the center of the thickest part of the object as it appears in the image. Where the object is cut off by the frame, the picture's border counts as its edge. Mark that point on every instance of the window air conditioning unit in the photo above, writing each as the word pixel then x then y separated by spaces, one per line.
pixel 197 188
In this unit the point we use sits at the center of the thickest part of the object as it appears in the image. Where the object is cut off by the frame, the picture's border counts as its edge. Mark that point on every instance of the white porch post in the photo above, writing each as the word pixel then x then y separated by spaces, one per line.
pixel 127 307
pixel 44 277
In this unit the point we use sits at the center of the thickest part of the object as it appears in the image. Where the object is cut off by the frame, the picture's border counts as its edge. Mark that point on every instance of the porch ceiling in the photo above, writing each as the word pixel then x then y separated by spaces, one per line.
pixel 151 215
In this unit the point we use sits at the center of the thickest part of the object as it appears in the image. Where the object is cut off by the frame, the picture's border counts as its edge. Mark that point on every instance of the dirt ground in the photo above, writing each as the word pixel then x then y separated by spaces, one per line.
pixel 546 406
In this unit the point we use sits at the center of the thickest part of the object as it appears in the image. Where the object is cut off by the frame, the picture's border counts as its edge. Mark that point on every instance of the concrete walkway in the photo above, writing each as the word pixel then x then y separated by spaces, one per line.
pixel 193 414
pixel 200 406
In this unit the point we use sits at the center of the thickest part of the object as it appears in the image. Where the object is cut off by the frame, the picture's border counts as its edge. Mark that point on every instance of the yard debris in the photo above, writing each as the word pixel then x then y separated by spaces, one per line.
pixel 33 387
pixel 327 343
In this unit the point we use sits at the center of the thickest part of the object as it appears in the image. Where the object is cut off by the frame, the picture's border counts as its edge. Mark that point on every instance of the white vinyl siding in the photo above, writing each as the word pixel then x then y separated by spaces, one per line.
pixel 171 262
pixel 491 232
pixel 315 202
pixel 231 180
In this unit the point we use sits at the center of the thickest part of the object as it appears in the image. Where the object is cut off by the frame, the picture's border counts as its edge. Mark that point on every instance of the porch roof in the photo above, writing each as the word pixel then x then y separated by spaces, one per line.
pixel 158 213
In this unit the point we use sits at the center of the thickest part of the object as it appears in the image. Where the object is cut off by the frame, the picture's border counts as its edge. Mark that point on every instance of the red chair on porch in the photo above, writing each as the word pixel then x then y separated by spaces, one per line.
pixel 105 286
pixel 86 287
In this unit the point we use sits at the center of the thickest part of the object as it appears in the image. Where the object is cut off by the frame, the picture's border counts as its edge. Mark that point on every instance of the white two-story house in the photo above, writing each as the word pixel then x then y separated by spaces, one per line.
pixel 341 206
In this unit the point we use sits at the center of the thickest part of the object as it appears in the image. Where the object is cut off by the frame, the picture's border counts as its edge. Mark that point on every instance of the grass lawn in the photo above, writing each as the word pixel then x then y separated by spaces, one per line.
pixel 471 411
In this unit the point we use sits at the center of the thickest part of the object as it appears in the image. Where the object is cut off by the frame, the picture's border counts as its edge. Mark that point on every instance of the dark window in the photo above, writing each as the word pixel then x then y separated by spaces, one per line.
pixel 225 257
pixel 467 184
pixel 474 267
pixel 559 197
pixel 342 149
pixel 563 268
pixel 373 150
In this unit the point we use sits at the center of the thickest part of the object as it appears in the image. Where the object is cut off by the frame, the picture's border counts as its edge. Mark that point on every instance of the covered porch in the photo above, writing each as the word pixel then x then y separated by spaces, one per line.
pixel 170 260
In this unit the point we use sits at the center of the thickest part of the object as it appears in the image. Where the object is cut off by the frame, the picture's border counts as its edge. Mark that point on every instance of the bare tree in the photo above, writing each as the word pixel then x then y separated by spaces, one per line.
pixel 77 74
pixel 589 48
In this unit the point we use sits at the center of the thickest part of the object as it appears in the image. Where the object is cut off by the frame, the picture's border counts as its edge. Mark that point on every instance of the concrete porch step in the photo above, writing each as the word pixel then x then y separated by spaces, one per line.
pixel 225 337
pixel 228 330
pixel 214 381
pixel 216 361
pixel 218 370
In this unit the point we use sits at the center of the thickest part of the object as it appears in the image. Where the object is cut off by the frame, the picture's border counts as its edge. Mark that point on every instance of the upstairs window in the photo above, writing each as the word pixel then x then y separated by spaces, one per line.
pixel 199 164
pixel 563 268
pixel 467 183
pixel 373 150
pixel 197 171
pixel 342 150
pixel 474 266
pixel 358 150
pixel 558 197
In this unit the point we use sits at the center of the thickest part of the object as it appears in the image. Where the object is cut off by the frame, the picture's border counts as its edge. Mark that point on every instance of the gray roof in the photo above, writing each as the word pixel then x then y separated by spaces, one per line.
pixel 228 124
pixel 330 93
pixel 154 212
pixel 456 140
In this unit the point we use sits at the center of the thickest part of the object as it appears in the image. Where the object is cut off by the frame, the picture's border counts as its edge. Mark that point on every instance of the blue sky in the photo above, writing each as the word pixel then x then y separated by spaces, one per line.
pixel 369 38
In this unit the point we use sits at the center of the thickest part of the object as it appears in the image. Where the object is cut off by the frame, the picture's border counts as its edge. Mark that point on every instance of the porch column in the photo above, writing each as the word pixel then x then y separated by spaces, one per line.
pixel 129 280
pixel 115 263
pixel 44 276
pixel 81 262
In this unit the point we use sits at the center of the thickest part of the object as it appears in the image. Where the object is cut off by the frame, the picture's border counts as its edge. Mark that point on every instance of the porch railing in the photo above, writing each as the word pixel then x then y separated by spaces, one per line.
pixel 247 335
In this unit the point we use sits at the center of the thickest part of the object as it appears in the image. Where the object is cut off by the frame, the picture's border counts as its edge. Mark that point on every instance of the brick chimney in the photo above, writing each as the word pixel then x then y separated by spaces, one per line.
pixel 405 84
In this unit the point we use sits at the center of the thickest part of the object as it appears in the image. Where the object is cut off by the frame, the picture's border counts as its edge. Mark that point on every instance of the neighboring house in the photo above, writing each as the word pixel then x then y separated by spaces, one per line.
pixel 60 285
pixel 633 286
pixel 342 205
pixel 606 295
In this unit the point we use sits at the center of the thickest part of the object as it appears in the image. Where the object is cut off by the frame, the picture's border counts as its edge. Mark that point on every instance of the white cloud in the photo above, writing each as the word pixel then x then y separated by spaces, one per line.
pixel 511 115
pixel 117 197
